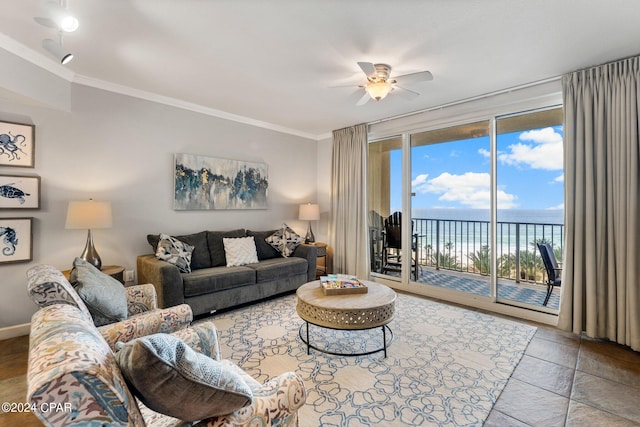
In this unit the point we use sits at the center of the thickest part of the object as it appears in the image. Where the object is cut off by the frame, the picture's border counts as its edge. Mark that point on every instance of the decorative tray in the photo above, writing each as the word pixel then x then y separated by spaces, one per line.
pixel 342 284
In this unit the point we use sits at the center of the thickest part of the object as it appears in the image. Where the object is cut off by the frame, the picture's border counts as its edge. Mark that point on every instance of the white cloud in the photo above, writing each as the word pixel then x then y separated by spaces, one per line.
pixel 484 152
pixel 545 152
pixel 419 183
pixel 470 189
pixel 559 178
pixel 560 206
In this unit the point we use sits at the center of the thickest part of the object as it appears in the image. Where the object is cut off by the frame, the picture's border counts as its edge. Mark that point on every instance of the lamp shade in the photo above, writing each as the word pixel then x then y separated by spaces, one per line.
pixel 88 214
pixel 309 212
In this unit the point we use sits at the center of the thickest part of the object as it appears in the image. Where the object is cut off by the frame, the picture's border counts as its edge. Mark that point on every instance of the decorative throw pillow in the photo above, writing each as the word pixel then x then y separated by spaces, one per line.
pixel 265 250
pixel 175 252
pixel 171 378
pixel 240 251
pixel 285 240
pixel 199 257
pixel 103 295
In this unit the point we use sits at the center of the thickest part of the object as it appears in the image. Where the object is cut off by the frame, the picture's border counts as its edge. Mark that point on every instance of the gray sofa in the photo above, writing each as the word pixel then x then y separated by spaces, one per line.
pixel 212 285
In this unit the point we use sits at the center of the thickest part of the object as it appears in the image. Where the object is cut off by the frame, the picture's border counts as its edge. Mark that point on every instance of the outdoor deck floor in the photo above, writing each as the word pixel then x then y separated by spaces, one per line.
pixel 528 293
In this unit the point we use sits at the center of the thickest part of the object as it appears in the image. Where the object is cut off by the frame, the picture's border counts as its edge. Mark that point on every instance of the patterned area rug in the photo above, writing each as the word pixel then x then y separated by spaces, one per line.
pixel 446 366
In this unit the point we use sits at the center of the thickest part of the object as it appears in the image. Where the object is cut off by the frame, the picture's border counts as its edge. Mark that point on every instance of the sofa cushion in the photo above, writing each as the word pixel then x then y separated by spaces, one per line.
pixel 278 268
pixel 103 295
pixel 285 240
pixel 214 279
pixel 171 378
pixel 216 247
pixel 265 250
pixel 240 251
pixel 200 257
pixel 175 252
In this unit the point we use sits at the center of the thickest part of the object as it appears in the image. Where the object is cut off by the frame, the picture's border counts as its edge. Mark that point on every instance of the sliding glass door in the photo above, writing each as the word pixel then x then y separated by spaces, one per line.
pixel 480 197
pixel 530 169
pixel 385 205
pixel 451 205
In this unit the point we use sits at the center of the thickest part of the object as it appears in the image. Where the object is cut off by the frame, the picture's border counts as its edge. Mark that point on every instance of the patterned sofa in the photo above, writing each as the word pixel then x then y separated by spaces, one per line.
pixel 46 286
pixel 73 377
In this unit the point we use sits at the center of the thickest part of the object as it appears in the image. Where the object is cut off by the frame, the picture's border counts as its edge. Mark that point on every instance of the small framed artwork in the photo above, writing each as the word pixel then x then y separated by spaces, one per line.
pixel 17 144
pixel 16 240
pixel 19 192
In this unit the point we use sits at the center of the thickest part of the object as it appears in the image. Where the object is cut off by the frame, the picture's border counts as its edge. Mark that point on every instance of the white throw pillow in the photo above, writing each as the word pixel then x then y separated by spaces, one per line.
pixel 240 250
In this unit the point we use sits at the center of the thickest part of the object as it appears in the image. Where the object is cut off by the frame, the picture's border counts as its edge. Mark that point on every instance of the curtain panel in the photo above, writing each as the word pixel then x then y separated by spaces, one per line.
pixel 600 294
pixel 348 229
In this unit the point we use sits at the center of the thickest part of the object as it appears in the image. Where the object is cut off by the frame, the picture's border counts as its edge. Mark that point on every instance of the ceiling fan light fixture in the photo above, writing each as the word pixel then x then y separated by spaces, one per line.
pixel 379 90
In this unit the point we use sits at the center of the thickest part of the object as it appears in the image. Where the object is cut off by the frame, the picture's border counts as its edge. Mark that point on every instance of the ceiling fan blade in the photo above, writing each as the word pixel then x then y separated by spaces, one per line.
pixel 368 68
pixel 406 93
pixel 421 76
pixel 365 98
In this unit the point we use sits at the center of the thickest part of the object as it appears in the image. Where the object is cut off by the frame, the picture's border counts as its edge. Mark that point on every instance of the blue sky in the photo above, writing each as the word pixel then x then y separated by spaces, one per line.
pixel 456 174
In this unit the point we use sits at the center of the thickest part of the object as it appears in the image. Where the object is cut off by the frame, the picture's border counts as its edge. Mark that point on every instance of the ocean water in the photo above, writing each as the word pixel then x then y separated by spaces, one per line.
pixel 464 231
pixel 524 216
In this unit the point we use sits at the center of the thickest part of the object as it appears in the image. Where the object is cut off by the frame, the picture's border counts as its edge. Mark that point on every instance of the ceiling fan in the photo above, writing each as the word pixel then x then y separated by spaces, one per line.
pixel 380 84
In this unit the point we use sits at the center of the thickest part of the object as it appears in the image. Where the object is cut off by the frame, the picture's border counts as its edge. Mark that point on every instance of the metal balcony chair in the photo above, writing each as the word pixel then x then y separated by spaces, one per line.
pixel 552 268
pixel 392 245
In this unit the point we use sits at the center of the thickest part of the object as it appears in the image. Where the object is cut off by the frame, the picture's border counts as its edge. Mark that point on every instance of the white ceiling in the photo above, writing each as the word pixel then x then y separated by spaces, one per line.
pixel 274 62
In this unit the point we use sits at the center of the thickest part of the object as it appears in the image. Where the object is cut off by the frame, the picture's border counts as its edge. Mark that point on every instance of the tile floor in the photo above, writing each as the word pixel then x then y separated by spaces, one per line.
pixel 567 380
pixel 562 380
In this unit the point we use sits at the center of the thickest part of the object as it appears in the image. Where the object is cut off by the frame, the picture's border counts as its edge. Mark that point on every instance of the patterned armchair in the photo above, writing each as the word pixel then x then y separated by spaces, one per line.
pixel 47 286
pixel 73 378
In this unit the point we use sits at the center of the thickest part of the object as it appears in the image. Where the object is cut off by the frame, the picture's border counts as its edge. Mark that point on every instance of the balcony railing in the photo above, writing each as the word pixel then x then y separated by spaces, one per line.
pixel 464 246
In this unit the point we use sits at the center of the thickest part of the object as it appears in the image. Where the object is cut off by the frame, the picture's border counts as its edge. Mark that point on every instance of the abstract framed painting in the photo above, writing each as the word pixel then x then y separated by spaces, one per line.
pixel 17 144
pixel 19 192
pixel 204 183
pixel 16 240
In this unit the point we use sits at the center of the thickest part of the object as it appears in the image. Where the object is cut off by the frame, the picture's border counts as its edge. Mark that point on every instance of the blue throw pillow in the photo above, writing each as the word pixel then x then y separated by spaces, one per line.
pixel 103 295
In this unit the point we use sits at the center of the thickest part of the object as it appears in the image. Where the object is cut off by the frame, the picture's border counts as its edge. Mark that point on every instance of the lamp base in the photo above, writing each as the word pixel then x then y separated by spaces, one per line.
pixel 309 238
pixel 90 254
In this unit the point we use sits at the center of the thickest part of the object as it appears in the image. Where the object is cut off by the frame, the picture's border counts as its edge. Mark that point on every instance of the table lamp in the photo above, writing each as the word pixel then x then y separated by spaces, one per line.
pixel 309 212
pixel 89 214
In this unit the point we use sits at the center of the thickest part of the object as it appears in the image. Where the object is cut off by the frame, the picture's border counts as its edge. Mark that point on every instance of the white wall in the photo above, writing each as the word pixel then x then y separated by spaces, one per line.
pixel 119 148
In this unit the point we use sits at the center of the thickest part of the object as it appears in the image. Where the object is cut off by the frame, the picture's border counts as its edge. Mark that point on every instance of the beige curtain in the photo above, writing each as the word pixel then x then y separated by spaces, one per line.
pixel 348 229
pixel 600 278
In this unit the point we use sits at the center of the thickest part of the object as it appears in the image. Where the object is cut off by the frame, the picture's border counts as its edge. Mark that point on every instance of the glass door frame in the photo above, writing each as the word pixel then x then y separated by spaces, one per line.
pixel 492 302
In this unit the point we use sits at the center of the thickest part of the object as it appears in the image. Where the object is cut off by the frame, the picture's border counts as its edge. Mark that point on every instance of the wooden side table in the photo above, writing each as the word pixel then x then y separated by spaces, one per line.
pixel 115 271
pixel 321 270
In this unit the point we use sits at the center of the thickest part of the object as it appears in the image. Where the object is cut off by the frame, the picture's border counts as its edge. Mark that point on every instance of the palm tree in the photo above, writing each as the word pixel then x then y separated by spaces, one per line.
pixel 480 260
pixel 506 265
pixel 445 259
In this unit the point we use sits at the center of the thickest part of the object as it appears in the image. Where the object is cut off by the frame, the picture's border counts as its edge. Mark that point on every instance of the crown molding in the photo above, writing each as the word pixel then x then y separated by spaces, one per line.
pixel 36 58
pixel 40 60
pixel 185 105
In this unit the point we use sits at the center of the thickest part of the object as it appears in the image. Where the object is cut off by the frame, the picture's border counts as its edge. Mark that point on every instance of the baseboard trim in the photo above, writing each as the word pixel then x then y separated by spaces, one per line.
pixel 15 331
